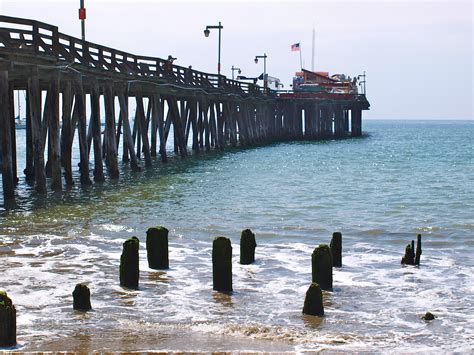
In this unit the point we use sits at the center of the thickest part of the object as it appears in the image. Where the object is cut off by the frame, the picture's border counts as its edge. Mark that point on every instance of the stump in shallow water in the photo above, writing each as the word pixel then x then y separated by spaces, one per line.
pixel 321 261
pixel 129 268
pixel 313 302
pixel 157 248
pixel 410 257
pixel 7 321
pixel 81 298
pixel 222 264
pixel 336 249
pixel 247 247
pixel 418 250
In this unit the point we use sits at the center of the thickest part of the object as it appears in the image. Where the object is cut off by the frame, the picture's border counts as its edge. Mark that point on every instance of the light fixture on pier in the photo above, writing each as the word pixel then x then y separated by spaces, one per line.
pixel 207 32
pixel 264 56
pixel 235 69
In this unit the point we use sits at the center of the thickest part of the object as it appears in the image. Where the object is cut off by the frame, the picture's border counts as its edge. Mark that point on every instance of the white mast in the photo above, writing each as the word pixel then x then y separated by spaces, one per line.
pixel 312 56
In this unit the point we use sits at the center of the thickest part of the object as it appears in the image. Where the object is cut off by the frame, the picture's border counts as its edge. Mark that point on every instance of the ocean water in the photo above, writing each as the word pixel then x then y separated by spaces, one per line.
pixel 402 178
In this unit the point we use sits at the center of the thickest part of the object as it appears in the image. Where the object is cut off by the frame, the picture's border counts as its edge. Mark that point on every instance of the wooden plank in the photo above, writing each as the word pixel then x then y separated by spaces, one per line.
pixel 110 133
pixel 6 144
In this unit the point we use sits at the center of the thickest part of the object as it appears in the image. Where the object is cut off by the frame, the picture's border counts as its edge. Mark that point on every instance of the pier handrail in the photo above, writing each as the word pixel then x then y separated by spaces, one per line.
pixel 38 38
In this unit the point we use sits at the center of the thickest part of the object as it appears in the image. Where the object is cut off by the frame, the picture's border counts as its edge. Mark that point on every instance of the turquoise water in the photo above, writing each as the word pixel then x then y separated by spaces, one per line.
pixel 402 178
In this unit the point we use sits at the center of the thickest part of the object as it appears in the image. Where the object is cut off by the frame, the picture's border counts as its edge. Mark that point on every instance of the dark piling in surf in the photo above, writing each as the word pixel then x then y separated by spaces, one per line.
pixel 129 268
pixel 336 249
pixel 321 261
pixel 418 250
pixel 81 298
pixel 247 247
pixel 7 321
pixel 222 264
pixel 157 248
pixel 313 302
pixel 410 257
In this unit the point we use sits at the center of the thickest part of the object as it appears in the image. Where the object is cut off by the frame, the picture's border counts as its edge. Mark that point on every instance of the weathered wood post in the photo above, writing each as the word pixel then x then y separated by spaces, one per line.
pixel 336 249
pixel 129 263
pixel 409 257
pixel 81 298
pixel 7 321
pixel 247 247
pixel 222 264
pixel 321 261
pixel 157 247
pixel 5 139
pixel 313 302
pixel 418 250
pixel 54 148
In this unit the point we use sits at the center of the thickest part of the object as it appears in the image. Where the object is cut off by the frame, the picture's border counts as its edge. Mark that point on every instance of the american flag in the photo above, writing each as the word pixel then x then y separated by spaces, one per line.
pixel 295 47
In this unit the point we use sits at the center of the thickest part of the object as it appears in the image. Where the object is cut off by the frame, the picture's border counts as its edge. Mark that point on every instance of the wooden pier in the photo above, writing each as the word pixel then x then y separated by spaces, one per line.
pixel 68 81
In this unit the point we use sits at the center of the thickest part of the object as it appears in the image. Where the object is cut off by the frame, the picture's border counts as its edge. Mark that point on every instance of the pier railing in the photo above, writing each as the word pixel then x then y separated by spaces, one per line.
pixel 24 36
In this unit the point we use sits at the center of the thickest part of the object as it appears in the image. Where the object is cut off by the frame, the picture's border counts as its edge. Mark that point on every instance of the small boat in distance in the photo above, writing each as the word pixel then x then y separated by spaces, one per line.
pixel 20 123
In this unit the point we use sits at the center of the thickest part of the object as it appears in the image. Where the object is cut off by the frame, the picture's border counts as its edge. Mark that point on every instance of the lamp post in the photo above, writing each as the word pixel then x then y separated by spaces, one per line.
pixel 206 33
pixel 82 17
pixel 234 69
pixel 264 56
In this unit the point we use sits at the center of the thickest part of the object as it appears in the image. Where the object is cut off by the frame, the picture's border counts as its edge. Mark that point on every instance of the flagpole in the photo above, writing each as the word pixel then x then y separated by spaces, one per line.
pixel 301 60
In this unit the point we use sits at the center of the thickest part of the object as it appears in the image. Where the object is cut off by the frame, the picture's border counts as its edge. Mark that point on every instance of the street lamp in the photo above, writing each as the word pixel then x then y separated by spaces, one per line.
pixel 234 69
pixel 264 56
pixel 207 32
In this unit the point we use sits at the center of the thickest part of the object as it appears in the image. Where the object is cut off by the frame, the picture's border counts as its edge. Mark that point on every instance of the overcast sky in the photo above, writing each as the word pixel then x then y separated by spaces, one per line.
pixel 417 54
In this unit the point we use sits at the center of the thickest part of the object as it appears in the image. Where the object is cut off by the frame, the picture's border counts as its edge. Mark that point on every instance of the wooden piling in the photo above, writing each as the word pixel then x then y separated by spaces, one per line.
pixel 321 261
pixel 409 257
pixel 157 247
pixel 222 264
pixel 418 250
pixel 79 115
pixel 127 132
pixel 96 134
pixel 110 133
pixel 129 264
pixel 34 93
pixel 247 247
pixel 6 144
pixel 7 316
pixel 81 298
pixel 54 149
pixel 67 133
pixel 336 249
pixel 313 302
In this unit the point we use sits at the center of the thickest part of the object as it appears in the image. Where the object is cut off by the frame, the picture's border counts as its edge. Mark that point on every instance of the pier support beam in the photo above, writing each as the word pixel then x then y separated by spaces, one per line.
pixel 6 144
pixel 37 128
pixel 356 124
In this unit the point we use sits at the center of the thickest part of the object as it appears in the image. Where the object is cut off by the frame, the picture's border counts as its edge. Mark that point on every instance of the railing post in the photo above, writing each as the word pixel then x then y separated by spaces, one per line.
pixel 55 44
pixel 35 37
